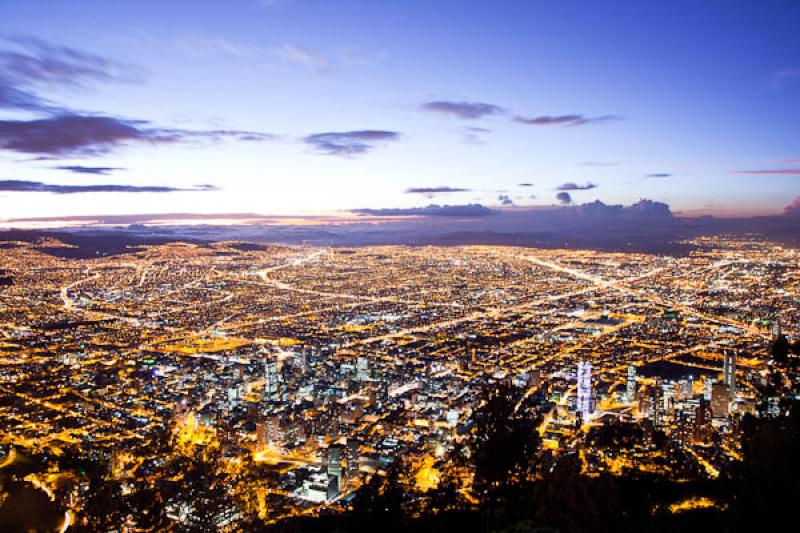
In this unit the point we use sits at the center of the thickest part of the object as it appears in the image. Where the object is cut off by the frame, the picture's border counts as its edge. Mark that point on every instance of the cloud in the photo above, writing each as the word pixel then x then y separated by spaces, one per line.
pixel 197 46
pixel 793 209
pixel 80 169
pixel 434 190
pixel 599 164
pixel 433 210
pixel 504 199
pixel 28 64
pixel 32 61
pixel 784 76
pixel 462 110
pixel 37 186
pixel 352 55
pixel 658 175
pixel 349 143
pixel 303 57
pixel 91 135
pixel 17 98
pixel 771 172
pixel 564 198
pixel 471 135
pixel 524 184
pixel 566 120
pixel 572 186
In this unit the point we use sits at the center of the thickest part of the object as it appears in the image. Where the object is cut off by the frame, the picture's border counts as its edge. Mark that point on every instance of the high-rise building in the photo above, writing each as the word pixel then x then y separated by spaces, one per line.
pixel 334 469
pixel 729 371
pixel 362 369
pixel 720 400
pixel 270 380
pixel 630 389
pixel 708 385
pixel 656 393
pixel 353 459
pixel 584 404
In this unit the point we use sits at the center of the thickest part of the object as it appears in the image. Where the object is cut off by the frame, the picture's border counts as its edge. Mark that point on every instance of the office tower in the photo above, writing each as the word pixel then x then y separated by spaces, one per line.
pixel 776 330
pixel 334 469
pixel 702 422
pixel 657 404
pixel 720 400
pixel 708 384
pixel 669 397
pixel 270 380
pixel 630 389
pixel 352 459
pixel 261 434
pixel 729 372
pixel 362 369
pixel 274 434
pixel 584 404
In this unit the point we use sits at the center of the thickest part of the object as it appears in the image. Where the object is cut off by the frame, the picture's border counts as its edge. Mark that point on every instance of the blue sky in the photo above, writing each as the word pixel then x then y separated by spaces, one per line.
pixel 696 104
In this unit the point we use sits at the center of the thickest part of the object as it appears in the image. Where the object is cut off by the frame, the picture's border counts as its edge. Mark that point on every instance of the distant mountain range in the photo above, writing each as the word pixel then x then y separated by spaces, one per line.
pixel 645 226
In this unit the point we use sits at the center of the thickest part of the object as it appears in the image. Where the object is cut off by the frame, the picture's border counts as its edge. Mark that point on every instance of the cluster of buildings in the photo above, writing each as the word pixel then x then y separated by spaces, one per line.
pixel 310 370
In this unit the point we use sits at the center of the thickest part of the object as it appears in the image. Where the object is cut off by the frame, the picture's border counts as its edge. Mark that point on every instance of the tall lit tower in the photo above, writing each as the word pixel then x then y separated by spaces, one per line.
pixel 584 405
pixel 270 380
pixel 729 371
pixel 630 388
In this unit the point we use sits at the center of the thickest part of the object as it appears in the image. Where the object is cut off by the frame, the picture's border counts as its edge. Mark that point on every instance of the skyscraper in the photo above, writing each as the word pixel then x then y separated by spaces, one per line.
pixel 630 389
pixel 362 369
pixel 270 380
pixel 353 458
pixel 334 470
pixel 584 404
pixel 729 371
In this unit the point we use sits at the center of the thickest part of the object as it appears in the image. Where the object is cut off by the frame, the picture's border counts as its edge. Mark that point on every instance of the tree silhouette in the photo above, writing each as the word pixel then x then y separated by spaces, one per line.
pixel 505 441
pixel 770 472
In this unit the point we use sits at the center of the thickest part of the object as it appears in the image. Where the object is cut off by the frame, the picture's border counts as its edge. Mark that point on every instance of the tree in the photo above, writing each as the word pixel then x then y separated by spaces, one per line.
pixel 505 442
pixel 384 500
pixel 148 510
pixel 104 508
pixel 779 349
pixel 571 503
pixel 769 479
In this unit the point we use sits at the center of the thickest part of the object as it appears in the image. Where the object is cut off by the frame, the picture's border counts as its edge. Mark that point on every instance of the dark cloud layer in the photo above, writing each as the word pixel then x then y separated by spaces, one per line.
pixel 433 210
pixel 565 120
pixel 572 186
pixel 37 186
pixel 92 135
pixel 564 198
pixel 350 143
pixel 28 65
pixel 434 190
pixel 462 110
pixel 80 169
pixel 658 175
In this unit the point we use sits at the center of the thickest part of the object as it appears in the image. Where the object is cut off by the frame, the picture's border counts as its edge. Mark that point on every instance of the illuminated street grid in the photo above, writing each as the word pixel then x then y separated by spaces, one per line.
pixel 378 352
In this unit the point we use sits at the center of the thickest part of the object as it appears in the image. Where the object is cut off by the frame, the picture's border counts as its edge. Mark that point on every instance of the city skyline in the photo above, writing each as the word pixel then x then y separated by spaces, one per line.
pixel 310 108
